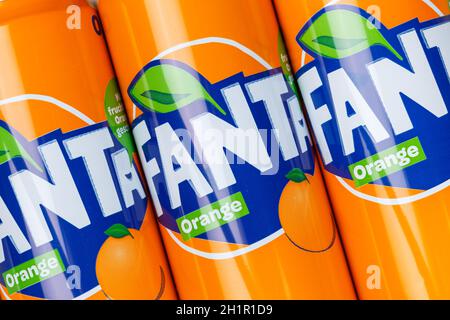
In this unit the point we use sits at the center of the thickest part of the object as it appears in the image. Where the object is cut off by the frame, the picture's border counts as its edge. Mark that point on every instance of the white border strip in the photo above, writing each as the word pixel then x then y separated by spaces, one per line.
pixel 226 41
pixel 434 7
pixel 4 293
pixel 51 100
pixel 84 296
pixel 89 293
pixel 395 201
pixel 230 254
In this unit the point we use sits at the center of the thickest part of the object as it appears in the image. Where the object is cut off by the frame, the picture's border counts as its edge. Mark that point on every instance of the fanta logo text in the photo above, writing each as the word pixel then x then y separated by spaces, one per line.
pixel 370 89
pixel 393 83
pixel 230 129
pixel 69 171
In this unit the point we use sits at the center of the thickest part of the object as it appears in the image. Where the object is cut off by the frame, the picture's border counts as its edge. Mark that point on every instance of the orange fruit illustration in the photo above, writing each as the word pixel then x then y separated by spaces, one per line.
pixel 305 215
pixel 125 267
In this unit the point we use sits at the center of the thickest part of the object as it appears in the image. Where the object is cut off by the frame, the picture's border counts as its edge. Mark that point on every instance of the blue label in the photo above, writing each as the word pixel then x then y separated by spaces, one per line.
pixel 202 142
pixel 372 89
pixel 62 171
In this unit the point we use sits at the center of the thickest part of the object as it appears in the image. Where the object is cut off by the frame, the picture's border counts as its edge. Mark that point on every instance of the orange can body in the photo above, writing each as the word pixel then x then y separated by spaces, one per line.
pixel 238 221
pixel 374 77
pixel 76 221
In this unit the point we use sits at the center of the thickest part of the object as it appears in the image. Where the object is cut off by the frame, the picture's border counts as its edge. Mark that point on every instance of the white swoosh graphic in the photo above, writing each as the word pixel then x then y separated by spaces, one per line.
pixel 51 100
pixel 229 254
pixel 395 201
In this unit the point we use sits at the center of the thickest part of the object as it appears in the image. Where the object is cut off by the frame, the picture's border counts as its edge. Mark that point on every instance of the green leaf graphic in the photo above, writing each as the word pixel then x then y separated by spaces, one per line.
pixel 118 231
pixel 164 98
pixel 117 119
pixel 165 88
pixel 337 43
pixel 10 148
pixel 297 175
pixel 340 33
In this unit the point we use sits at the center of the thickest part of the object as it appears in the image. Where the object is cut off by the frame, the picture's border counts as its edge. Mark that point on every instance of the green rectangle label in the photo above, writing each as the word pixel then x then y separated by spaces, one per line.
pixel 387 162
pixel 33 271
pixel 212 216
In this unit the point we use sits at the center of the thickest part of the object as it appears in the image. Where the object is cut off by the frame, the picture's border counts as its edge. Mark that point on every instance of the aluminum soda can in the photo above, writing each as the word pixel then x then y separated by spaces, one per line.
pixel 226 150
pixel 374 77
pixel 75 217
